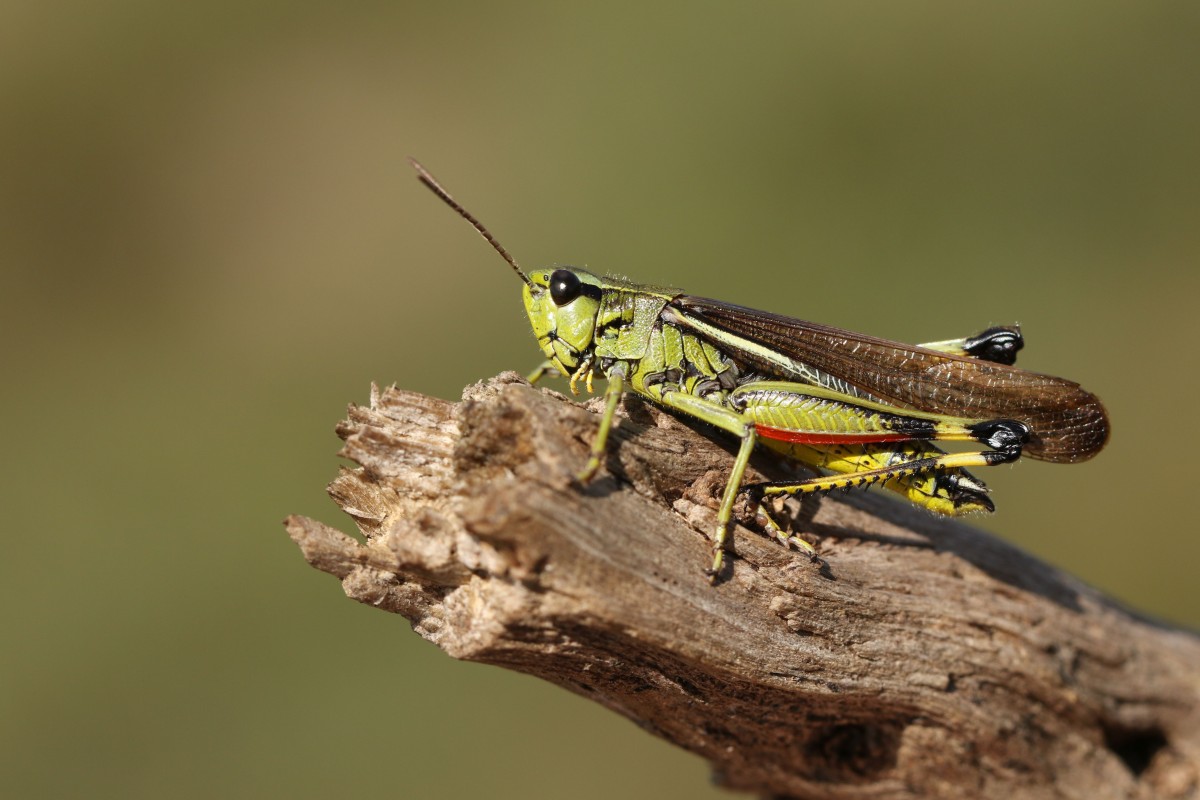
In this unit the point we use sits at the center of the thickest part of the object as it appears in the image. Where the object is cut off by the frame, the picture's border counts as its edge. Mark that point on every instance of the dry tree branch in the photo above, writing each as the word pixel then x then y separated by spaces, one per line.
pixel 927 659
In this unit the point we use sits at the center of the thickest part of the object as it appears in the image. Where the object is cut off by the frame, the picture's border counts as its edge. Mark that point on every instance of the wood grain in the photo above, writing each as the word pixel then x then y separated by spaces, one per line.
pixel 924 659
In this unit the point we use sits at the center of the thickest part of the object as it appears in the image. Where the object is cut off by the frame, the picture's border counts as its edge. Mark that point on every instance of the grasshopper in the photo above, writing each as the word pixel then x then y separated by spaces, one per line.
pixel 860 410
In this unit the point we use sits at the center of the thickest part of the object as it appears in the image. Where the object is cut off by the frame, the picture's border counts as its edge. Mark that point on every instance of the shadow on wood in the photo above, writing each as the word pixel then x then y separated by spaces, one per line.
pixel 928 660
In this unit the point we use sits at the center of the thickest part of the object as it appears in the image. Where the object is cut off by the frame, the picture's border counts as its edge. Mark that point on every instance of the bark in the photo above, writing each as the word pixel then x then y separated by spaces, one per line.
pixel 922 659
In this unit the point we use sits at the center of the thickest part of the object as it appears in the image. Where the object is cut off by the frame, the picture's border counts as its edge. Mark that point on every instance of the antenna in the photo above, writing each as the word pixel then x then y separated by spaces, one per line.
pixel 435 187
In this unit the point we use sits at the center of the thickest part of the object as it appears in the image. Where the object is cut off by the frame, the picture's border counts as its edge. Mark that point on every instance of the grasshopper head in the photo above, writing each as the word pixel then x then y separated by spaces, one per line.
pixel 562 305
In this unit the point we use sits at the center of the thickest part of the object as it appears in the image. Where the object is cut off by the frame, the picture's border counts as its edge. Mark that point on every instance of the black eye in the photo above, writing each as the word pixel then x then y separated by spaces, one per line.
pixel 565 286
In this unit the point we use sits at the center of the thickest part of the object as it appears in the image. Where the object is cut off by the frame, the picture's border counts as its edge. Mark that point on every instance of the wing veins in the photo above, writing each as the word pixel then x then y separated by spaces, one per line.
pixel 1069 423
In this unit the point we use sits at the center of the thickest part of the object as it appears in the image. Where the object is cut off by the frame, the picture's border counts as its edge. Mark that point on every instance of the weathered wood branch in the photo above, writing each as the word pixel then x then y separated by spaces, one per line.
pixel 927 659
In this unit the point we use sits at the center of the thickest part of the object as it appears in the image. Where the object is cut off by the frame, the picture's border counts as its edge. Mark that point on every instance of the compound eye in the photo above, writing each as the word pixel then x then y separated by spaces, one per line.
pixel 565 286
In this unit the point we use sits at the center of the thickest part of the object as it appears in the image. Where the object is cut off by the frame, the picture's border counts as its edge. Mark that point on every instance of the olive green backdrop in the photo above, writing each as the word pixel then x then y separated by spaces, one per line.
pixel 210 242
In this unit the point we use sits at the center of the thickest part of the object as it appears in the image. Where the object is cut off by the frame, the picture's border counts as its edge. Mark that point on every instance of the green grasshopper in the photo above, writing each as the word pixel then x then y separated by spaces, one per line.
pixel 860 410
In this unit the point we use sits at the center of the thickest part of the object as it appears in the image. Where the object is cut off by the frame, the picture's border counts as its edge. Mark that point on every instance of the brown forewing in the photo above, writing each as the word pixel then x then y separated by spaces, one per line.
pixel 1068 422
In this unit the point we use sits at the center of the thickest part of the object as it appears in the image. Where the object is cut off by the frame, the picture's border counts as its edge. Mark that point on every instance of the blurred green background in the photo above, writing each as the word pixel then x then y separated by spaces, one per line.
pixel 210 242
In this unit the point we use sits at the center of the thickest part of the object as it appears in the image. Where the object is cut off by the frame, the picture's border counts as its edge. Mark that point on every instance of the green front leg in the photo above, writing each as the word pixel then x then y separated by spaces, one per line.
pixel 542 370
pixel 612 396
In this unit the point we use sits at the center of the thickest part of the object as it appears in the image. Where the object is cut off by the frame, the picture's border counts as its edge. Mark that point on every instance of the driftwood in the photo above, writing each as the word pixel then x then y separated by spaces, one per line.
pixel 923 659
